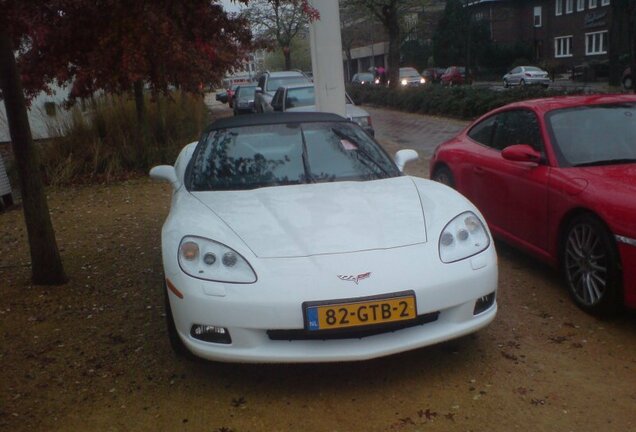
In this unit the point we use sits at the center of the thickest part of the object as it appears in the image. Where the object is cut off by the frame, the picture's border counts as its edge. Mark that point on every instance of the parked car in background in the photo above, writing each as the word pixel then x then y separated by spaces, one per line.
pixel 295 238
pixel 269 82
pixel 302 98
pixel 526 75
pixel 244 99
pixel 556 177
pixel 410 77
pixel 455 75
pixel 365 78
pixel 626 79
pixel 221 96
pixel 433 75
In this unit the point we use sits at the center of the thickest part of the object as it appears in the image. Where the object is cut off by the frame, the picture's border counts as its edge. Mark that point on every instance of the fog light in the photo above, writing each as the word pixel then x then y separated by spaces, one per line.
pixel 483 303
pixel 210 333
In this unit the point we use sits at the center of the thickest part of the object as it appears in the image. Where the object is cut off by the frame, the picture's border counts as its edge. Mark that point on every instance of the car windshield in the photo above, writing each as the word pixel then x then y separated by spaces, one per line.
pixel 594 135
pixel 365 77
pixel 250 157
pixel 246 92
pixel 305 96
pixel 300 97
pixel 532 69
pixel 274 83
pixel 408 72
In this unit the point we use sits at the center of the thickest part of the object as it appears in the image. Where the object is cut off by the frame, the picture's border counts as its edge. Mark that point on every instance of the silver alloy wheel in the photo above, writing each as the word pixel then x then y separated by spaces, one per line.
pixel 586 264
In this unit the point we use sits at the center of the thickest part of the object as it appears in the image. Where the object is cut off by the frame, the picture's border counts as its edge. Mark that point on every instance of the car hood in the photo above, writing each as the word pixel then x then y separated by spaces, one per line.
pixel 323 218
pixel 351 110
pixel 619 178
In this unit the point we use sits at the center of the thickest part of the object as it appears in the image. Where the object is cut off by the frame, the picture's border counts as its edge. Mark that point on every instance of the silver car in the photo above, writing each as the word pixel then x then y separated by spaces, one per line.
pixel 301 97
pixel 526 75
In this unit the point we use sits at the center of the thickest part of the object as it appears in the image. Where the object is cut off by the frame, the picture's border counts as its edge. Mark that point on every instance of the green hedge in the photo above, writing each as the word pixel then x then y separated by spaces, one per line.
pixel 462 102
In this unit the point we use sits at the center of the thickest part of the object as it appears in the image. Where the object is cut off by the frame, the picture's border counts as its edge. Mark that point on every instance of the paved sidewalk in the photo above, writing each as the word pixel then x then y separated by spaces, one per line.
pixel 416 131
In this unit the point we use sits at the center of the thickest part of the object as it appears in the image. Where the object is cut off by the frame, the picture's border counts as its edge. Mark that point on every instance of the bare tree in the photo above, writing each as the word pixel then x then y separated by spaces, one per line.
pixel 278 22
pixel 392 13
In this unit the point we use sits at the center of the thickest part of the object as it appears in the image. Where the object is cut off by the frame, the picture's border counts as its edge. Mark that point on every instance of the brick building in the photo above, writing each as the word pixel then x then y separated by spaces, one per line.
pixel 564 33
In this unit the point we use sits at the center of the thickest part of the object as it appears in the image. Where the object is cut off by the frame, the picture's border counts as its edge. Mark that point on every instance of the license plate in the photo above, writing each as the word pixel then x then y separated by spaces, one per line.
pixel 338 314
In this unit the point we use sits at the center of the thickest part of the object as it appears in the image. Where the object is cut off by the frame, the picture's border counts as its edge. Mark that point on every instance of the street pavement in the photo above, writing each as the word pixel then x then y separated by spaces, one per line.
pixel 415 131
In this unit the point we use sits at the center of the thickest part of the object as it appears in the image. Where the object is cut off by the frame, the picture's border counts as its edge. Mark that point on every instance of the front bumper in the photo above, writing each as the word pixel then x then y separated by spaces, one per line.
pixel 274 302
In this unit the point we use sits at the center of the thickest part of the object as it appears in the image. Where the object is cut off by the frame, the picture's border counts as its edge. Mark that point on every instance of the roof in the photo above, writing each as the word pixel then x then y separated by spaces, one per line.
pixel 274 118
pixel 559 102
pixel 285 73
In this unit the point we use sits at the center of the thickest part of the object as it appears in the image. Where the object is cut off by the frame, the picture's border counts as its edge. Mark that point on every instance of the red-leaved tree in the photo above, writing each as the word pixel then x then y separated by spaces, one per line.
pixel 111 45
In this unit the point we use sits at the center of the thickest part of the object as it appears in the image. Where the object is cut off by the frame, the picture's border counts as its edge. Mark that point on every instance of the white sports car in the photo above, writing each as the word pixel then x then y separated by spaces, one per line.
pixel 293 237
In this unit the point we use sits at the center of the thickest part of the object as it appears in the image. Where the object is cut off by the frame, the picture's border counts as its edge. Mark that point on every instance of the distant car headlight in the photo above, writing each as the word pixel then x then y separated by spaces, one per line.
pixel 422 80
pixel 377 81
pixel 210 260
pixel 404 82
pixel 463 237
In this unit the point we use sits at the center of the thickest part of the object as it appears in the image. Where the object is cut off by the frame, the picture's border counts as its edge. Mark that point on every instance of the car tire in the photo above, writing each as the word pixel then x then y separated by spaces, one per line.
pixel 443 175
pixel 628 83
pixel 176 343
pixel 505 84
pixel 591 266
pixel 522 83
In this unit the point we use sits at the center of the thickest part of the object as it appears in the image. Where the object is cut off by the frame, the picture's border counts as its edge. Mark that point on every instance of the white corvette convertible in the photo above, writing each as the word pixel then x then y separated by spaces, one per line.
pixel 295 238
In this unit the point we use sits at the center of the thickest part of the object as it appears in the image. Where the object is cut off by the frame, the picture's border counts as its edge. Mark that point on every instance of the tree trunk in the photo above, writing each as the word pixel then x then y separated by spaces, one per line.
pixel 393 28
pixel 287 54
pixel 139 102
pixel 46 264
pixel 142 126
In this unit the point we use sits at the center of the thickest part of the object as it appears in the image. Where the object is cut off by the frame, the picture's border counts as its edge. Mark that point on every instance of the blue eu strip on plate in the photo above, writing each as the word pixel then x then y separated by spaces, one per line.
pixel 312 319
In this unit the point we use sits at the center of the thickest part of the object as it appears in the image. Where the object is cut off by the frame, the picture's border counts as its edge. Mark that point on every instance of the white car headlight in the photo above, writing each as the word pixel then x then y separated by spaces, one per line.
pixel 463 237
pixel 209 260
pixel 404 82
pixel 422 81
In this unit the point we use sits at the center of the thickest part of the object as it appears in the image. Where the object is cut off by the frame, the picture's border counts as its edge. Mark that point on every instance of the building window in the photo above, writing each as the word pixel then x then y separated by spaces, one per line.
pixel 592 4
pixel 563 46
pixel 604 2
pixel 537 16
pixel 558 7
pixel 580 5
pixel 596 43
pixel 569 6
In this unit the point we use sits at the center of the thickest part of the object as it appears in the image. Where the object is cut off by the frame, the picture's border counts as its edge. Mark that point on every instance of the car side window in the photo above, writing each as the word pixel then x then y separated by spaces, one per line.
pixel 277 100
pixel 517 127
pixel 482 131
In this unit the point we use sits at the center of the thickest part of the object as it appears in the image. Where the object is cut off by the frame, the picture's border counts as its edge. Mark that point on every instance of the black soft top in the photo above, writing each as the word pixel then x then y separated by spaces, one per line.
pixel 274 118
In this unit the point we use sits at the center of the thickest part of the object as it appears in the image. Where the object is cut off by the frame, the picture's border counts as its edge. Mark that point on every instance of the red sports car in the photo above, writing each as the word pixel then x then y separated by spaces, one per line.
pixel 557 178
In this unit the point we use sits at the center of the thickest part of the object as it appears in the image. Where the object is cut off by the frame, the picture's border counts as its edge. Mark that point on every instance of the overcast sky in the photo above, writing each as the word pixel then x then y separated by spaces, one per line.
pixel 230 6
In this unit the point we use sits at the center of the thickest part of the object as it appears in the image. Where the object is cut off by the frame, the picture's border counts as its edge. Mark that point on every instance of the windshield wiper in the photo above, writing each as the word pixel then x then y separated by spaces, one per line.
pixel 362 152
pixel 607 162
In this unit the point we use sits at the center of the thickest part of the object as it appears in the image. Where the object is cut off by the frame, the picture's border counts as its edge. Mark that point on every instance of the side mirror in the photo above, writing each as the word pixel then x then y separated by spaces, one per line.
pixel 521 153
pixel 165 173
pixel 403 156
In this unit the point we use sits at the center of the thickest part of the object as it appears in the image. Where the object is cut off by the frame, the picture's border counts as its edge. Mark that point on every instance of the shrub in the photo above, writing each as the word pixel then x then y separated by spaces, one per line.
pixel 105 142
pixel 463 102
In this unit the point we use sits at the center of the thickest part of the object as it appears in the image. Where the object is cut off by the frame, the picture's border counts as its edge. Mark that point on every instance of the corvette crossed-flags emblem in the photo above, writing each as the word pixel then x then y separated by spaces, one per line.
pixel 356 279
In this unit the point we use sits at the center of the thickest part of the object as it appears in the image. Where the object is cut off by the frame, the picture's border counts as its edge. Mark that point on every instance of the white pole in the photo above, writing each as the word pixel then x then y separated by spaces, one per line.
pixel 326 57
